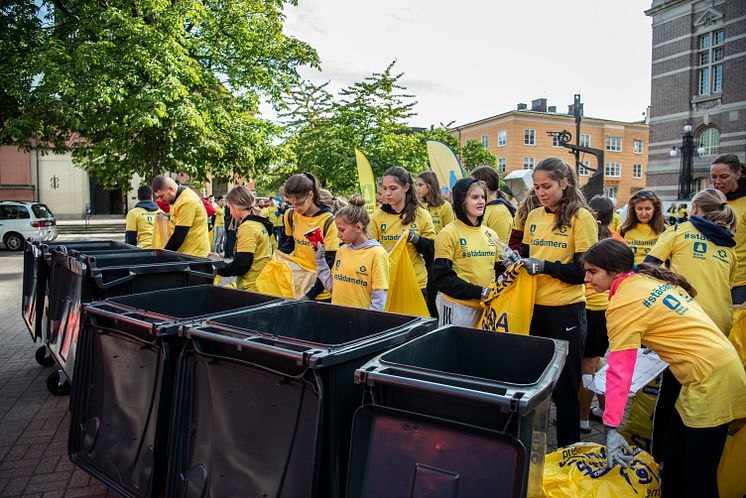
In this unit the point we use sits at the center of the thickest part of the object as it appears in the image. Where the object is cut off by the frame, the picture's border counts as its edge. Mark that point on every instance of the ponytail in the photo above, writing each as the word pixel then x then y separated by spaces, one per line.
pixel 530 203
pixel 603 209
pixel 666 275
pixel 572 199
pixel 411 200
pixel 714 208
pixel 355 212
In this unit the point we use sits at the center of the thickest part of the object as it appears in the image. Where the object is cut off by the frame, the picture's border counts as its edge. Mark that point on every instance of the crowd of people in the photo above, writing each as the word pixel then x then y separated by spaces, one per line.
pixel 608 286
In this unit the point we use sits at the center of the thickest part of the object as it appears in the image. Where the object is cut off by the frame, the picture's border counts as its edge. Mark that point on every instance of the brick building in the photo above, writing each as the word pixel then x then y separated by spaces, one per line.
pixel 519 139
pixel 698 77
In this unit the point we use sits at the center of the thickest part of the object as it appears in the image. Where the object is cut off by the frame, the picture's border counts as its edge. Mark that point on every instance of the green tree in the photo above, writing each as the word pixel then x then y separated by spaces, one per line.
pixel 474 155
pixel 144 86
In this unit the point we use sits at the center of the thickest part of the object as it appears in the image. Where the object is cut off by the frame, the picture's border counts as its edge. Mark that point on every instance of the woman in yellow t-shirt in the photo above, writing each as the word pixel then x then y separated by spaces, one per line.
pixel 441 211
pixel 360 274
pixel 306 213
pixel 465 257
pixel 651 305
pixel 555 237
pixel 253 245
pixel 728 175
pixel 644 223
pixel 499 212
pixel 401 211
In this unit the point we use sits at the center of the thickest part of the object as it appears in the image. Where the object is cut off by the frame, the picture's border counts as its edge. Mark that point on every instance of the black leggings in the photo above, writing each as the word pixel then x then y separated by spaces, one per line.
pixel 690 460
pixel 664 409
pixel 567 323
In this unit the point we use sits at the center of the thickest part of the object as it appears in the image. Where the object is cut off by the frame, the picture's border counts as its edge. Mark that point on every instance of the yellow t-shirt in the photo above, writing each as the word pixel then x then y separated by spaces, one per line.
pixel 140 220
pixel 253 237
pixel 498 218
pixel 473 255
pixel 275 217
pixel 357 273
pixel 641 238
pixel 616 222
pixel 559 245
pixel 303 249
pixel 188 211
pixel 219 216
pixel 668 321
pixel 595 301
pixel 442 215
pixel 739 207
pixel 387 228
pixel 710 269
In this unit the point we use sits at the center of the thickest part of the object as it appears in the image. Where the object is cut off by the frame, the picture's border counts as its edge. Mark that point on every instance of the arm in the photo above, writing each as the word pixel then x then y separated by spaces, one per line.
pixel 618 382
pixel 241 263
pixel 426 247
pixel 177 238
pixel 447 282
pixel 378 299
pixel 318 286
pixel 570 273
pixel 130 237
pixel 324 271
pixel 651 260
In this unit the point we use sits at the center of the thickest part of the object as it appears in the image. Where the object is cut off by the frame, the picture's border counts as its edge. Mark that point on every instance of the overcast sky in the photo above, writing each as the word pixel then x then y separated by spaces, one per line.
pixel 469 59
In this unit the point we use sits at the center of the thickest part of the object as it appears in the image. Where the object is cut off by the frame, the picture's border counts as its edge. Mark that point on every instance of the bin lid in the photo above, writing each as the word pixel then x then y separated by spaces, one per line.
pixel 399 453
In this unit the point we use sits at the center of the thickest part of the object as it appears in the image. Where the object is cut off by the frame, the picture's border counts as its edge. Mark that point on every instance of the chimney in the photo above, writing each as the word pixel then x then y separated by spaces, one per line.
pixel 539 105
pixel 552 108
pixel 522 107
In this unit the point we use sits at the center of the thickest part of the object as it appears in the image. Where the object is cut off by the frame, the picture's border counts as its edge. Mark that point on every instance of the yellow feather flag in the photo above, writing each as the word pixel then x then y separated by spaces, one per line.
pixel 366 180
pixel 404 294
pixel 444 163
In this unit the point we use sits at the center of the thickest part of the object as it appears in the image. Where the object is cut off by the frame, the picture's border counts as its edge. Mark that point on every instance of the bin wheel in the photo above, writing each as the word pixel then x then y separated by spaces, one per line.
pixel 54 386
pixel 42 358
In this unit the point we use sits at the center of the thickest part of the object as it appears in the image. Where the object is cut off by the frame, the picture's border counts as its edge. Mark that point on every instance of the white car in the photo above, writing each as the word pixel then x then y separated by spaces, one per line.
pixel 20 220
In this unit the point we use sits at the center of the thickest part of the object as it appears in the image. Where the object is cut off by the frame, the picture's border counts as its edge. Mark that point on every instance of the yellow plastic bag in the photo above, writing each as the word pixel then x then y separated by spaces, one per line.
pixel 510 303
pixel 581 470
pixel 285 276
pixel 638 430
pixel 161 230
pixel 731 475
pixel 404 294
pixel 737 334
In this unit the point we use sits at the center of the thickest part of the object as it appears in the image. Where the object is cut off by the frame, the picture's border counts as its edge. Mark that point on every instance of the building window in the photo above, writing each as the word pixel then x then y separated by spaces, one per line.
pixel 485 141
pixel 614 144
pixel 528 163
pixel 710 63
pixel 613 170
pixel 610 192
pixel 555 141
pixel 584 169
pixel 638 145
pixel 585 140
pixel 502 138
pixel 710 140
pixel 529 137
pixel 637 171
pixel 501 164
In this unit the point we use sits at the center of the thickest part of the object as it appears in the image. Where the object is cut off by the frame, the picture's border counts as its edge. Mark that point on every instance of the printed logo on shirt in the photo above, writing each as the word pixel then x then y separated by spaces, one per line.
pixel 383 227
pixel 363 271
pixel 462 241
pixel 700 247
pixel 532 229
pixel 561 231
pixel 337 263
pixel 721 256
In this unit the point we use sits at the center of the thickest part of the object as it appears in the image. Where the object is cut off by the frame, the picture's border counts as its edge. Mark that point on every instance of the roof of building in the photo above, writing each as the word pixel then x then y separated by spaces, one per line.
pixel 542 113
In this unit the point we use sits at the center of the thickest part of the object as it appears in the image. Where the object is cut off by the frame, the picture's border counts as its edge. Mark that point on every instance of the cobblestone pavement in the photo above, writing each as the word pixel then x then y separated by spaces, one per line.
pixel 34 423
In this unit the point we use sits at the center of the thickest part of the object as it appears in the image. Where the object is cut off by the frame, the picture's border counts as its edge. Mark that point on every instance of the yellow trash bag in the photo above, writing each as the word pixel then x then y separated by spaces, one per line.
pixel 285 276
pixel 510 303
pixel 638 430
pixel 580 470
pixel 737 334
pixel 731 475
pixel 404 294
pixel 162 230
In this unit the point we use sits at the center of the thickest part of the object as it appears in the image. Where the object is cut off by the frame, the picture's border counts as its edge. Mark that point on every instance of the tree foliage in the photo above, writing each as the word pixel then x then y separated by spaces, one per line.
pixel 144 86
pixel 474 155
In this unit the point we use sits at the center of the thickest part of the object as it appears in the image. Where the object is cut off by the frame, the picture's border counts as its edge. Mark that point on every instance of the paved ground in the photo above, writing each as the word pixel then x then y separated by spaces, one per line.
pixel 34 423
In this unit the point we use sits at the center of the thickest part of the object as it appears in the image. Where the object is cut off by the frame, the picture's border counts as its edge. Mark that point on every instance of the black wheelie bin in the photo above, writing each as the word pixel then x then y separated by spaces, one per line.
pixel 264 399
pixel 76 279
pixel 124 374
pixel 36 260
pixel 458 412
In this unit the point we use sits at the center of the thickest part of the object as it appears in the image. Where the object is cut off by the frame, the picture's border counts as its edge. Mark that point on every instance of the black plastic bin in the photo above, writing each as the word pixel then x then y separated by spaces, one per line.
pixel 264 399
pixel 77 279
pixel 124 374
pixel 458 412
pixel 36 257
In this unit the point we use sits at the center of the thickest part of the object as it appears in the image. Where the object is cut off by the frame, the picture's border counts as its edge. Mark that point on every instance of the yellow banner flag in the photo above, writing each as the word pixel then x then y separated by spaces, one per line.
pixel 444 163
pixel 366 180
pixel 404 294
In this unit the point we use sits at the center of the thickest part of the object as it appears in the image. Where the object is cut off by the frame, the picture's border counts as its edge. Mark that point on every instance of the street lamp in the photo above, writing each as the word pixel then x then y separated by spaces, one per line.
pixel 687 158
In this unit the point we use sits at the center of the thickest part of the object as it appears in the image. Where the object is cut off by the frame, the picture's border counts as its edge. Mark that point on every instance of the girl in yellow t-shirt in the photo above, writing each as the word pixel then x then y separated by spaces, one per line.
pixel 253 244
pixel 499 212
pixel 401 211
pixel 306 213
pixel 465 257
pixel 653 306
pixel 644 223
pixel 555 237
pixel 441 211
pixel 360 274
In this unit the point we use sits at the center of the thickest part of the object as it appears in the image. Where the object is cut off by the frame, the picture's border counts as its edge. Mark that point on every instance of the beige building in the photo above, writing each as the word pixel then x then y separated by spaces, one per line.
pixel 520 139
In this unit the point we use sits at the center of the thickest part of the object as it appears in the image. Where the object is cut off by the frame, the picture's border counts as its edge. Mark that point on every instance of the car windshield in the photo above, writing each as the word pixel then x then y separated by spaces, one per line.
pixel 42 211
